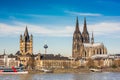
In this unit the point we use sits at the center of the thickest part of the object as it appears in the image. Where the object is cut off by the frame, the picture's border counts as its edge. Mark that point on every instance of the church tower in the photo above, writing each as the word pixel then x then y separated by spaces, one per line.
pixel 85 33
pixel 92 39
pixel 77 40
pixel 26 43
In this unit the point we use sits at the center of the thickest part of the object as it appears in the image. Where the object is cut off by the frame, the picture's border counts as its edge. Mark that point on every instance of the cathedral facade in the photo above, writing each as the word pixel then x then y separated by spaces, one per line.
pixel 83 46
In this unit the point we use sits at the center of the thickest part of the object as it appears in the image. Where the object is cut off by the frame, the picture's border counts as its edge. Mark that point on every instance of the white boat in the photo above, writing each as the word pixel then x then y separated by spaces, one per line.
pixel 96 70
pixel 47 70
pixel 24 72
pixel 12 70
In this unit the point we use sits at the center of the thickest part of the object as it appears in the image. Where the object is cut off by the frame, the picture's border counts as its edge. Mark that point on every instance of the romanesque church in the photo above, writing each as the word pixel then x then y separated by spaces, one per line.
pixel 26 48
pixel 83 46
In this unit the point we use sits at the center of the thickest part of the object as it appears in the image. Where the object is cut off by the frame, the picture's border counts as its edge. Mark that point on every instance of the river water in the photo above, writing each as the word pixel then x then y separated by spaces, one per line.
pixel 64 76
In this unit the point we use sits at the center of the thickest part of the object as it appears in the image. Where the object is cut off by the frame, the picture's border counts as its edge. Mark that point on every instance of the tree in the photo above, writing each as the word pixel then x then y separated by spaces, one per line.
pixel 31 62
pixel 90 63
pixel 116 63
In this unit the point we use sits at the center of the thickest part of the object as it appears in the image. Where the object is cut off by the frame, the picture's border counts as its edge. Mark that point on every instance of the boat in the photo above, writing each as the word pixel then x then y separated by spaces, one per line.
pixel 47 70
pixel 96 70
pixel 24 72
pixel 13 70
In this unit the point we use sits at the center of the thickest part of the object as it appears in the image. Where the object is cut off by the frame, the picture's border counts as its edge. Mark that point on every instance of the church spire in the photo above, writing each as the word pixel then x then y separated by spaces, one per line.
pixel 92 39
pixel 77 30
pixel 4 52
pixel 85 33
pixel 26 34
pixel 26 43
pixel 77 25
pixel 85 25
pixel 77 40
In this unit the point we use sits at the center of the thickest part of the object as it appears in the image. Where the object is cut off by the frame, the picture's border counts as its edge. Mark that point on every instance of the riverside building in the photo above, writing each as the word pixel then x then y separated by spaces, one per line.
pixel 38 61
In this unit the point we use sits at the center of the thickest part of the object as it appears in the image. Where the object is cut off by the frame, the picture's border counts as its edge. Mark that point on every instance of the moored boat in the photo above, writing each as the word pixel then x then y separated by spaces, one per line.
pixel 47 70
pixel 24 72
pixel 96 70
pixel 13 70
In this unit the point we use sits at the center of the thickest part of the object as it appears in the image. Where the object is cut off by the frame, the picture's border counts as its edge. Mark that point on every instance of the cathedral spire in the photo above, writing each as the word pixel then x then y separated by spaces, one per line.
pixel 77 32
pixel 77 25
pixel 77 40
pixel 85 25
pixel 85 33
pixel 92 39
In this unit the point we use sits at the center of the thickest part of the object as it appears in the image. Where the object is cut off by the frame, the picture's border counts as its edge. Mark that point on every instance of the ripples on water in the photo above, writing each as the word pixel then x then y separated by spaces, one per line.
pixel 64 76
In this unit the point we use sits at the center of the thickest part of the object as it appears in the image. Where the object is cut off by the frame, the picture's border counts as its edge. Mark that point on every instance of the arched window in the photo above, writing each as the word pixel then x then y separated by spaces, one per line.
pixel 85 53
pixel 97 51
pixel 93 52
pixel 100 51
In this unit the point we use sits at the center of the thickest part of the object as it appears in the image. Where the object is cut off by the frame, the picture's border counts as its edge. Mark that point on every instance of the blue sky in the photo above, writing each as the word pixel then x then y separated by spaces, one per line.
pixel 53 22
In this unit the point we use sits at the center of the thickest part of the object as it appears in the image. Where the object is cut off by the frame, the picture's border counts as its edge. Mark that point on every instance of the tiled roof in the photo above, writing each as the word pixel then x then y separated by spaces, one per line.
pixel 11 56
pixel 53 57
pixel 93 45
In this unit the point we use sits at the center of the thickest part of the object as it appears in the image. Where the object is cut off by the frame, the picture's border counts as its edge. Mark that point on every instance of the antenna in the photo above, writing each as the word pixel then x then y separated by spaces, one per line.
pixel 45 46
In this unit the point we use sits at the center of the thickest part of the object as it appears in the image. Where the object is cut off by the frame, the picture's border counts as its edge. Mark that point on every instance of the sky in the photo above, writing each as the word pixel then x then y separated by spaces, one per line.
pixel 52 22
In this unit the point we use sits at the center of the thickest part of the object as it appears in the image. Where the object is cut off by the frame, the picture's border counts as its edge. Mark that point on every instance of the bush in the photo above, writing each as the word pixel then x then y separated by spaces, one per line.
pixel 114 66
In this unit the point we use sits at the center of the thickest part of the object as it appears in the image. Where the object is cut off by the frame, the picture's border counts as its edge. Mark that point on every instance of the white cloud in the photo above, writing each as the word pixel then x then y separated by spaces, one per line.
pixel 103 28
pixel 6 29
pixel 83 14
pixel 18 28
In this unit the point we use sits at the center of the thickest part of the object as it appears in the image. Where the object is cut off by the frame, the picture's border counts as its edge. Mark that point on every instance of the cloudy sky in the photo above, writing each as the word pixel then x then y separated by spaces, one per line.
pixel 53 22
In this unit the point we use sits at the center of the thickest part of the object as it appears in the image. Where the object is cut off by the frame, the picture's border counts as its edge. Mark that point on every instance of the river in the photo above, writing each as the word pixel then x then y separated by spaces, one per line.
pixel 64 76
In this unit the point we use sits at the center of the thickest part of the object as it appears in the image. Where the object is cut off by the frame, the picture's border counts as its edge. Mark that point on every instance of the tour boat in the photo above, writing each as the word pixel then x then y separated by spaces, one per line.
pixel 12 70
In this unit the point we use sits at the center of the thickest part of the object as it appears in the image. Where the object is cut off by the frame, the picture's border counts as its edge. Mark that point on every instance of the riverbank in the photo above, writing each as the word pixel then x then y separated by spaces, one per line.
pixel 83 70
pixel 71 70
pixel 111 69
pixel 61 71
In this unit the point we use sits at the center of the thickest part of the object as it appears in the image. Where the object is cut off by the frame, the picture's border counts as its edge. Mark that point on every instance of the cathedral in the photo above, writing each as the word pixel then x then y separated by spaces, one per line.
pixel 83 46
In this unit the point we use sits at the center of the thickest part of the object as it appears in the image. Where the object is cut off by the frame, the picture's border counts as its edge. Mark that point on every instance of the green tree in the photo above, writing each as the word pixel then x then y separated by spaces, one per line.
pixel 31 62
pixel 90 63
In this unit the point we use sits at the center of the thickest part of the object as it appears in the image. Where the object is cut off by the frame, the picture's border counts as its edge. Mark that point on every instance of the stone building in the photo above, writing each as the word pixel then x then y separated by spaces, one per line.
pixel 8 60
pixel 102 60
pixel 26 43
pixel 38 61
pixel 54 61
pixel 26 48
pixel 83 46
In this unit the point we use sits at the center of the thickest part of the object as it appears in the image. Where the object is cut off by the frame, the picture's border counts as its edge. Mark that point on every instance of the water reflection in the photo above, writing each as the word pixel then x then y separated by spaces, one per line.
pixel 64 76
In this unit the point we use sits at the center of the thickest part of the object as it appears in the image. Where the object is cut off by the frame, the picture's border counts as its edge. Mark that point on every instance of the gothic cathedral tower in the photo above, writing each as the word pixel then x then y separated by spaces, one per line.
pixel 77 40
pixel 85 33
pixel 26 43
